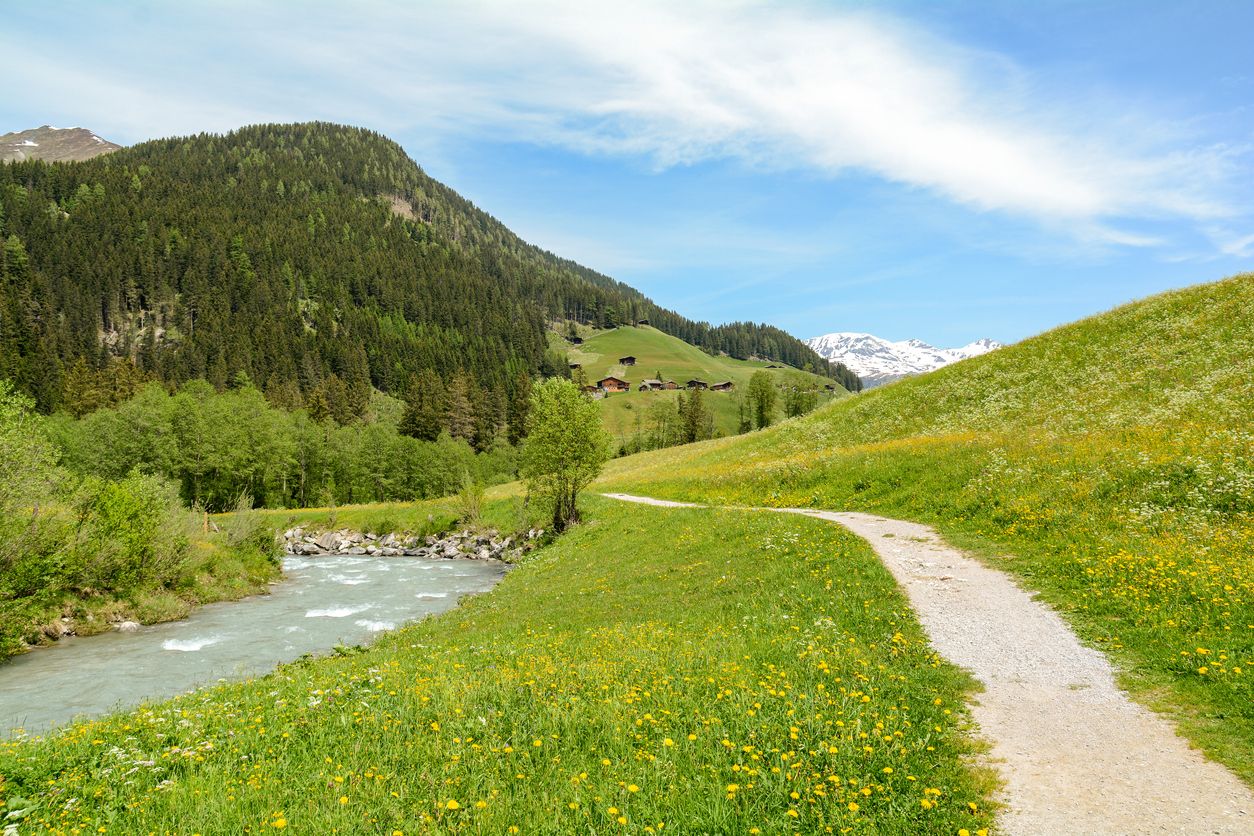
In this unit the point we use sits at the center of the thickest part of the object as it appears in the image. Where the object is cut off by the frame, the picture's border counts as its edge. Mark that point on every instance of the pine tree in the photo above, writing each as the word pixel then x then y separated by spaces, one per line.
pixel 459 415
pixel 424 406
pixel 695 418
pixel 518 407
pixel 762 398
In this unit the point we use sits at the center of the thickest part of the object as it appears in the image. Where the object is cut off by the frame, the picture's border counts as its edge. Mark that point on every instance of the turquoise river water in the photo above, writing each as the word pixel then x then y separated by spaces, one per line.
pixel 322 602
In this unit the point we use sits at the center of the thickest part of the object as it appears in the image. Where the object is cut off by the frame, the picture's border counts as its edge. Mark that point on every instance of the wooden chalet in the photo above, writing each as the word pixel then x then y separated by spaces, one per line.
pixel 627 361
pixel 576 340
pixel 652 385
pixel 697 384
pixel 613 384
pixel 725 386
pixel 831 387
pixel 669 384
pixel 642 322
pixel 595 392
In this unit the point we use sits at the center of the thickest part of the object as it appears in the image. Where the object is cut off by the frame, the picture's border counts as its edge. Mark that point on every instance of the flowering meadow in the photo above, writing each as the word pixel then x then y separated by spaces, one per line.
pixel 1108 464
pixel 653 671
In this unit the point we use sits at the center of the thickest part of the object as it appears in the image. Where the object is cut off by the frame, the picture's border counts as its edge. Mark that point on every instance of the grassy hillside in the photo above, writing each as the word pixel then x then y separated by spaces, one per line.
pixel 676 360
pixel 1109 464
pixel 760 673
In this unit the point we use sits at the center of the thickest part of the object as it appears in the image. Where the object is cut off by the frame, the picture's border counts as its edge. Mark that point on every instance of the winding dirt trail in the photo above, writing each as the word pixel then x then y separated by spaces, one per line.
pixel 1076 754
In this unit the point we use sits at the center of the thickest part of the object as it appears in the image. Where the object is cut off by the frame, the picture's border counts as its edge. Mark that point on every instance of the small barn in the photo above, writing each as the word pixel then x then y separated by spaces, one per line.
pixel 774 366
pixel 613 384
pixel 831 387
pixel 575 365
pixel 595 392
pixel 651 385
pixel 627 361
pixel 669 384
pixel 725 386
pixel 576 340
pixel 642 322
pixel 698 384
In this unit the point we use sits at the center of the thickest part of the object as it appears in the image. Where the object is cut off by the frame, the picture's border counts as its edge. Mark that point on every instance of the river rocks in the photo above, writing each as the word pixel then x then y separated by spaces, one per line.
pixel 58 628
pixel 128 627
pixel 474 545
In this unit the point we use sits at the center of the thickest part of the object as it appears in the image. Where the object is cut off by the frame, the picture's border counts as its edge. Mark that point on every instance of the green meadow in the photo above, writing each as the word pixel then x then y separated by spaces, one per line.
pixel 744 673
pixel 1108 464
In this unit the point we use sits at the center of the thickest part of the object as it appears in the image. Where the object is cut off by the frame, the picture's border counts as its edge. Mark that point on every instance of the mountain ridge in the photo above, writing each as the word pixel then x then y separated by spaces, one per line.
pixel 877 361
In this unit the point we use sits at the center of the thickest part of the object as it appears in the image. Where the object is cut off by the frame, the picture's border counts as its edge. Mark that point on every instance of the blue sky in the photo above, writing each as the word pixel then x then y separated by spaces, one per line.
pixel 940 170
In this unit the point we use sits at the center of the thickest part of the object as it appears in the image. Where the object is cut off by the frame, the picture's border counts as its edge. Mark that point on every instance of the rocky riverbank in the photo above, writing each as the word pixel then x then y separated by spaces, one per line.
pixel 473 545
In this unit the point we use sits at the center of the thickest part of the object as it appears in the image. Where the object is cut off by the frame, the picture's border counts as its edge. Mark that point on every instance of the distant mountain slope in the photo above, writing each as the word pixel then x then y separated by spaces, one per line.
pixel 293 254
pixel 877 361
pixel 655 352
pixel 53 145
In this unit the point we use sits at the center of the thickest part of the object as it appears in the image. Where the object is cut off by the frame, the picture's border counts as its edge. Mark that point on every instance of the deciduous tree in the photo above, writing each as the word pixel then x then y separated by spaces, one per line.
pixel 565 449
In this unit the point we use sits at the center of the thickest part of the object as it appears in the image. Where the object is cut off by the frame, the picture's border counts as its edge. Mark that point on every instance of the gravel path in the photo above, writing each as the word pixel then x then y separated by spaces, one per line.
pixel 1076 755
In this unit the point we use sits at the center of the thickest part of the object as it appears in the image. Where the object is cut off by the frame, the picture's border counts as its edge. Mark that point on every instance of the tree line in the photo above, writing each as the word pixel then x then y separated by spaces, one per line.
pixel 216 446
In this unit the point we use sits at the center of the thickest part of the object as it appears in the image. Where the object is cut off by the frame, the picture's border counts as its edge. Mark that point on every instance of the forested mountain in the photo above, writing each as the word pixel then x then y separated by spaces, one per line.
pixel 315 260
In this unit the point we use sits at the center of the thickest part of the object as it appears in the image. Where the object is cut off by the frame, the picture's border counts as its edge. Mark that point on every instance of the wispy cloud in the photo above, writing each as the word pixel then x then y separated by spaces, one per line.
pixel 799 87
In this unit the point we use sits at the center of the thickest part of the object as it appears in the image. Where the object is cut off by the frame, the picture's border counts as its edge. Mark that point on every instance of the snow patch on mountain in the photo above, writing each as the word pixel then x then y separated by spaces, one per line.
pixel 878 361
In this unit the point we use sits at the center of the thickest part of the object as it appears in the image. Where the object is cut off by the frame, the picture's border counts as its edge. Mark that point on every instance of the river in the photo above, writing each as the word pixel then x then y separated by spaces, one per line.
pixel 322 602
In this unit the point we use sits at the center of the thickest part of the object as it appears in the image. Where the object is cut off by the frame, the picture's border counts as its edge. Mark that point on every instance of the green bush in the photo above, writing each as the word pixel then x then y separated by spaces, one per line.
pixel 99 542
pixel 125 536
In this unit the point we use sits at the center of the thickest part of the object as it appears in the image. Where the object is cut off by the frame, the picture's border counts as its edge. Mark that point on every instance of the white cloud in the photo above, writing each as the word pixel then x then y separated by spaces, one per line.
pixel 1233 244
pixel 800 87
pixel 797 87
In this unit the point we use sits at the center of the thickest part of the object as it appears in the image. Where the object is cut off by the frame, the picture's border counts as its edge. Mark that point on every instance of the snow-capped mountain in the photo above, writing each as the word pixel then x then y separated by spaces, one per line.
pixel 53 144
pixel 877 360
